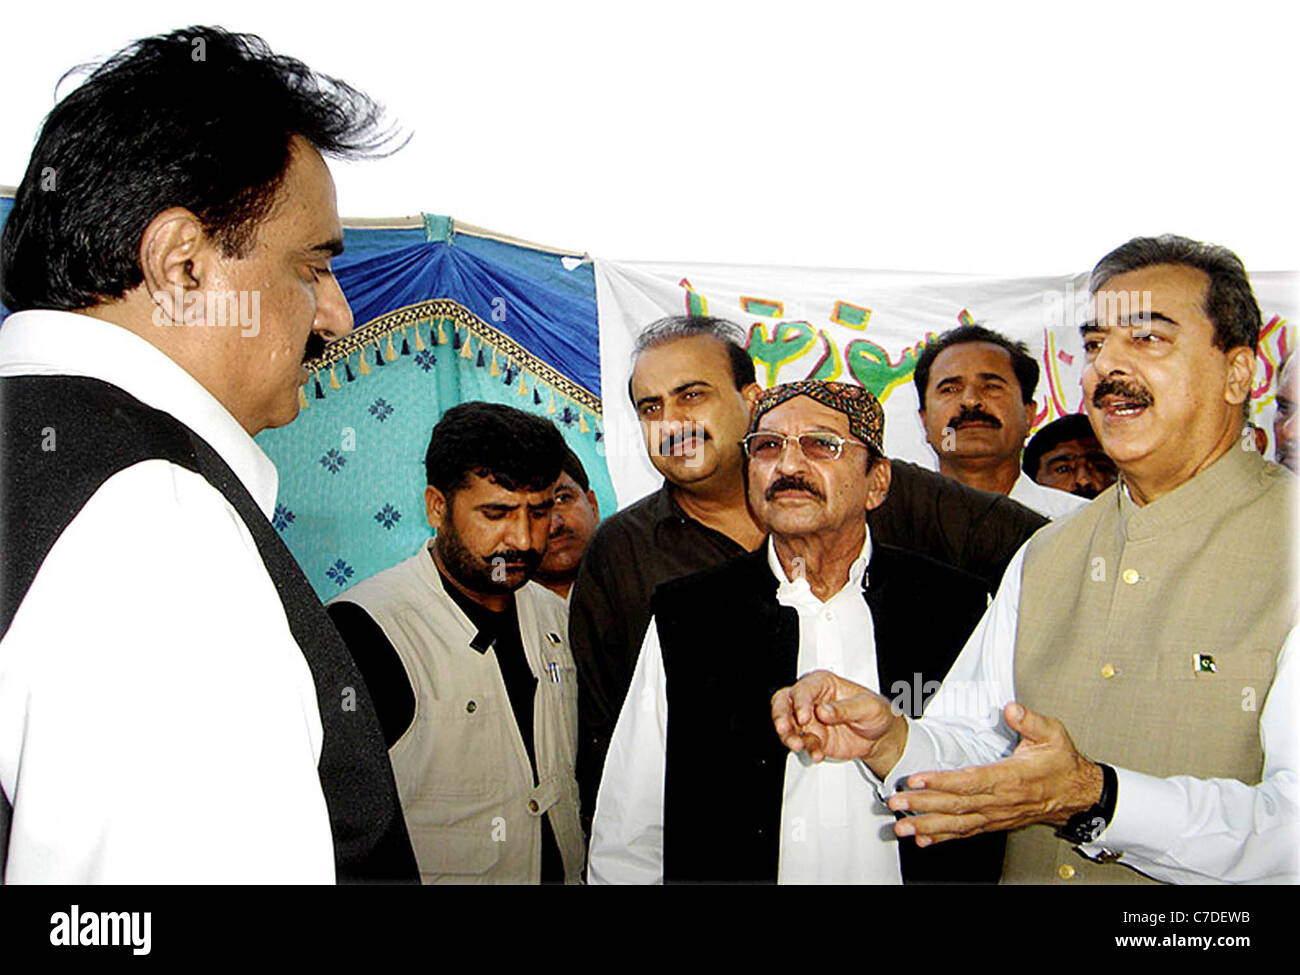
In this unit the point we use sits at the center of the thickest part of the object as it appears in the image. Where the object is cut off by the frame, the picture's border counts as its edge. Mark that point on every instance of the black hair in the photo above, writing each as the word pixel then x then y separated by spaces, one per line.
pixel 517 450
pixel 199 118
pixel 676 327
pixel 1022 363
pixel 573 467
pixel 1073 426
pixel 1229 300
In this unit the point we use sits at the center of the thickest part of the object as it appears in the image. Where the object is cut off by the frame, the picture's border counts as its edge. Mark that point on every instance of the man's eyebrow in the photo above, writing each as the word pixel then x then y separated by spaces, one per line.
pixel 333 247
pixel 495 506
pixel 687 385
pixel 1128 321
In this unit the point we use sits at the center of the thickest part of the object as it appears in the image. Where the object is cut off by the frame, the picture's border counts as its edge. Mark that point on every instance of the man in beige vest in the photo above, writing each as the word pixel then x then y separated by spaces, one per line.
pixel 1157 625
pixel 468 663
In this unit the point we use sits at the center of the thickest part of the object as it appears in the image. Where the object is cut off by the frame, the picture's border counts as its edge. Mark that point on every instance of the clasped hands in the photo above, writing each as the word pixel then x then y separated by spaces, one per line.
pixel 1045 780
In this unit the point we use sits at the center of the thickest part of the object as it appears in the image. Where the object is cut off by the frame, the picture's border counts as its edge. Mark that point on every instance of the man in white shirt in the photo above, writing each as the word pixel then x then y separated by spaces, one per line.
pixel 1157 628
pixel 976 389
pixel 174 704
pixel 818 593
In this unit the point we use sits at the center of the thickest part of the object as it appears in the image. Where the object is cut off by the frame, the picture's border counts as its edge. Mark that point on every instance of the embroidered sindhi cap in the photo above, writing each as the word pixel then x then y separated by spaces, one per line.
pixel 866 417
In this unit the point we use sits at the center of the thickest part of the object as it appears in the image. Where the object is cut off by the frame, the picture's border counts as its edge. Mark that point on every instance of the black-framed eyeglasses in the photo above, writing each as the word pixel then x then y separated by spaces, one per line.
pixel 815 446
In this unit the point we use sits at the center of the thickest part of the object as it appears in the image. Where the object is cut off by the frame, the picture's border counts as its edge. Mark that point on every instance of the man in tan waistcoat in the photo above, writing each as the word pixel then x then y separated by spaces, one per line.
pixel 1157 625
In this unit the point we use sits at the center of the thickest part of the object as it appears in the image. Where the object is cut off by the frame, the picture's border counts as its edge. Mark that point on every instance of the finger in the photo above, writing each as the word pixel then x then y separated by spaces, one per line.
pixel 934 825
pixel 1030 725
pixel 783 718
pixel 869 713
pixel 807 691
pixel 973 780
pixel 943 802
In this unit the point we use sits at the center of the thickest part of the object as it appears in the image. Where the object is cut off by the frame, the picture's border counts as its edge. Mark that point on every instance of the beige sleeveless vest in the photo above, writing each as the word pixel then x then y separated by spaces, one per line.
pixel 1152 633
pixel 462 771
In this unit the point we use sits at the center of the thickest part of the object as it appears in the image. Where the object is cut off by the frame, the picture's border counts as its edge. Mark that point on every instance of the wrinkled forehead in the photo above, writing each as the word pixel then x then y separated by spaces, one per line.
pixel 802 414
pixel 483 488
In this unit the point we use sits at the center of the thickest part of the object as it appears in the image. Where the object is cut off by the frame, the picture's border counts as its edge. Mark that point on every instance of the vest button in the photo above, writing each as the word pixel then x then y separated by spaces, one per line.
pixel 532 805
pixel 1065 872
pixel 1131 576
pixel 471 707
pixel 1108 671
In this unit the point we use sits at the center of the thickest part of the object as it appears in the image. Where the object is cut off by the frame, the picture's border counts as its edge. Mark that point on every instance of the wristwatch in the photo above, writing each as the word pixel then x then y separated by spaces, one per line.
pixel 1084 827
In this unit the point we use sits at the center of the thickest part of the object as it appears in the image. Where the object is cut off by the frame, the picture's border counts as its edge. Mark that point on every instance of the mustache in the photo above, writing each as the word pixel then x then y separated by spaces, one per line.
pixel 670 441
pixel 1126 390
pixel 975 415
pixel 565 532
pixel 1085 491
pixel 791 482
pixel 315 347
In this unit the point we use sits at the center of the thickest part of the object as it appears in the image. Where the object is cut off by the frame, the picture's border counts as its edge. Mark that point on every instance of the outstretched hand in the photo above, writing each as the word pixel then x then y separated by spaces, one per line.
pixel 831 717
pixel 1045 780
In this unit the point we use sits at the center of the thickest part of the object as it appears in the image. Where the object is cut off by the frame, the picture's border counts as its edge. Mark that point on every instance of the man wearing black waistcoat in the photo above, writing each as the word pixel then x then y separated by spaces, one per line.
pixel 820 593
pixel 168 261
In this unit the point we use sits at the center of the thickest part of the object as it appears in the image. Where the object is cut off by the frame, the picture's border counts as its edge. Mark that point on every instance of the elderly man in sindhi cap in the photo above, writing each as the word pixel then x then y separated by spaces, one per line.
pixel 817 594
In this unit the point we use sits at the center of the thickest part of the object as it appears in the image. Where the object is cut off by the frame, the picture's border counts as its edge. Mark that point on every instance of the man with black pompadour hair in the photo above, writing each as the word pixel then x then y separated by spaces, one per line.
pixel 149 608
pixel 468 660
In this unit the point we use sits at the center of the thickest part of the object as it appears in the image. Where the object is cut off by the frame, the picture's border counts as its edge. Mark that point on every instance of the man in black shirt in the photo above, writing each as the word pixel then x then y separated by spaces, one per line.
pixel 693 387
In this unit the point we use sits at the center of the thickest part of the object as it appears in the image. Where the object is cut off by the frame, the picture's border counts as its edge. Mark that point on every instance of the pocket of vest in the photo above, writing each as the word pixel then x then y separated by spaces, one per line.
pixel 453 850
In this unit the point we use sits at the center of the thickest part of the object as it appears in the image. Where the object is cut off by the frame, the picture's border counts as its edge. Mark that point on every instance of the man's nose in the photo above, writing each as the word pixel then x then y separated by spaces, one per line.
pixel 1111 357
pixel 516 535
pixel 970 395
pixel 333 314
pixel 791 458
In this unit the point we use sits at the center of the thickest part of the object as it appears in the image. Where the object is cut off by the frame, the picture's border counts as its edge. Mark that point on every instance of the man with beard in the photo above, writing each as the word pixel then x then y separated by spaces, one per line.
pixel 1156 627
pixel 467 660
pixel 1065 455
pixel 169 683
pixel 573 521
pixel 976 390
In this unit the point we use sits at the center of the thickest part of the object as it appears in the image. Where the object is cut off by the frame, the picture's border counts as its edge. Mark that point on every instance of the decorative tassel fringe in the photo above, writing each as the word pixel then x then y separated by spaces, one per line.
pixel 537 397
pixel 523 388
pixel 455 337
pixel 302 398
pixel 419 342
pixel 391 354
pixel 442 335
pixel 320 393
pixel 406 344
pixel 467 348
pixel 347 371
pixel 379 355
pixel 480 362
pixel 334 380
pixel 494 370
pixel 582 421
pixel 550 407
pixel 362 364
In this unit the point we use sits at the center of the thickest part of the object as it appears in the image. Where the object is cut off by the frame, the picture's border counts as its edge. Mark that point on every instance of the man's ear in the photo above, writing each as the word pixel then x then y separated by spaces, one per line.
pixel 1031 414
pixel 1241 375
pixel 169 248
pixel 595 505
pixel 878 481
pixel 435 506
pixel 750 393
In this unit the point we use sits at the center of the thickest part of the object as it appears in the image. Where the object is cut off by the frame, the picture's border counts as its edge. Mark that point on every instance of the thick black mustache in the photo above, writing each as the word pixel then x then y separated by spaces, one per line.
pixel 789 482
pixel 671 441
pixel 315 347
pixel 530 558
pixel 1084 491
pixel 1132 392
pixel 973 416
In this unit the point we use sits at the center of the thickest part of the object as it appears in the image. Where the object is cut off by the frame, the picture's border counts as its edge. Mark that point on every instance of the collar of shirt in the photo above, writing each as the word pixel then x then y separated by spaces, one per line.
pixel 60 343
pixel 799 594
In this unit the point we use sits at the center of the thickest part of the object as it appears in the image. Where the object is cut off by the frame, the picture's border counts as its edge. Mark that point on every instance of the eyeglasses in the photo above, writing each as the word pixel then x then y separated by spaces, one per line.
pixel 815 446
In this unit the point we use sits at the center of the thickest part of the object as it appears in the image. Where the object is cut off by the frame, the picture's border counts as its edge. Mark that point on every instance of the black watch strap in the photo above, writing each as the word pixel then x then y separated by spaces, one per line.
pixel 1084 827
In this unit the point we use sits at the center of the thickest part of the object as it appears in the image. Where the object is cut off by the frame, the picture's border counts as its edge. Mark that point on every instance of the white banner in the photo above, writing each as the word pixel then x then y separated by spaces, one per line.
pixel 867 327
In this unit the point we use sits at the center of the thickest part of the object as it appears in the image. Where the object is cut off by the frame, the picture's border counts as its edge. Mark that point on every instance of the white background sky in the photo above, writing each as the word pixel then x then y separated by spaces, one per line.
pixel 1003 138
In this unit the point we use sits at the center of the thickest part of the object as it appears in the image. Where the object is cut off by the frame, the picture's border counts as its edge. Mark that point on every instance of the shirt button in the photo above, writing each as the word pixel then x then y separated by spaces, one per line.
pixel 830 616
pixel 532 805
pixel 1131 576
pixel 1065 872
pixel 471 707
pixel 1108 671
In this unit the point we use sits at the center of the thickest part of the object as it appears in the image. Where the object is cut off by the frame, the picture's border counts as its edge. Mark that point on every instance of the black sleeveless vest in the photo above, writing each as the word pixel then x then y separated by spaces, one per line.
pixel 728 646
pixel 102 430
